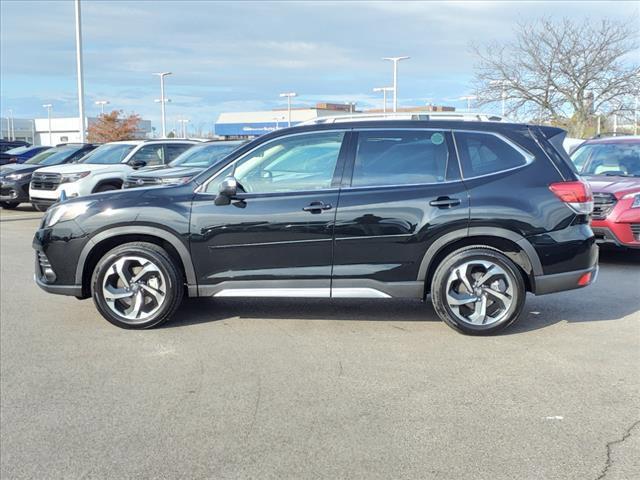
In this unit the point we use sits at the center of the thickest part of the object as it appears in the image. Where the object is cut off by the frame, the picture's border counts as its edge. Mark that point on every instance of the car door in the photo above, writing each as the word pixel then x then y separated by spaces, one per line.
pixel 401 191
pixel 275 237
pixel 148 156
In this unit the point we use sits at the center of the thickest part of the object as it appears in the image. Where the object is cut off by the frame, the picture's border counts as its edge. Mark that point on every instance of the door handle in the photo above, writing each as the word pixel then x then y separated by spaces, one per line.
pixel 445 202
pixel 316 207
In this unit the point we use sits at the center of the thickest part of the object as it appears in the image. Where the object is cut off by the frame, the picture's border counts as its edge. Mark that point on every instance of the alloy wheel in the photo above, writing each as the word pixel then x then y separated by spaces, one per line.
pixel 134 288
pixel 479 292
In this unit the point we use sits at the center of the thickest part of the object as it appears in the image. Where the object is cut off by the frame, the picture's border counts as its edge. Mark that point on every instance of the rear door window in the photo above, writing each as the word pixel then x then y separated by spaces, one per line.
pixel 484 153
pixel 400 157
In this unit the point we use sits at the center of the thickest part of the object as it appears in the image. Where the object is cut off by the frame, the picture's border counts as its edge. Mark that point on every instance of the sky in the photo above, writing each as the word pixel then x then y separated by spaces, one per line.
pixel 238 56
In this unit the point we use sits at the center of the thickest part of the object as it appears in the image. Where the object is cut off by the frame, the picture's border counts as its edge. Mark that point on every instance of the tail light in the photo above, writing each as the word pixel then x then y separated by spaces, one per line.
pixel 577 195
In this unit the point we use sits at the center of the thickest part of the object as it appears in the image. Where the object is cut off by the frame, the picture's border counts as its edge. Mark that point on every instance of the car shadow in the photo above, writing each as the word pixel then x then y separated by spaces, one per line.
pixel 595 303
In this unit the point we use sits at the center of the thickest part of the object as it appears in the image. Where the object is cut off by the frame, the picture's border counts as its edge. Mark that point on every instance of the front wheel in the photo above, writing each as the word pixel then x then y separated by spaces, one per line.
pixel 39 208
pixel 478 291
pixel 137 285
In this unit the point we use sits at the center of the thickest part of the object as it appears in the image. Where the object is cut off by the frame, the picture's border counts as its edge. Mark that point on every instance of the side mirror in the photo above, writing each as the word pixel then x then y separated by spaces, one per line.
pixel 138 163
pixel 227 191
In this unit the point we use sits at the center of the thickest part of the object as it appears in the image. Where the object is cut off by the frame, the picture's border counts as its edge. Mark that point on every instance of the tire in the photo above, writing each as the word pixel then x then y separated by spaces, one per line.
pixel 163 279
pixel 40 208
pixel 9 205
pixel 106 188
pixel 456 283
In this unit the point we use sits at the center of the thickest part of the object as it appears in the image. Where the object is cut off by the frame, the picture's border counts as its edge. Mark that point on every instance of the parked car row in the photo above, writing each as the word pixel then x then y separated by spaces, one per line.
pixel 83 169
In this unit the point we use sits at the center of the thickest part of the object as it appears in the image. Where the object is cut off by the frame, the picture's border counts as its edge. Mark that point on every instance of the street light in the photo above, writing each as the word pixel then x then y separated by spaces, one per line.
pixel 384 91
pixel 162 101
pixel 11 132
pixel 289 95
pixel 79 72
pixel 102 103
pixel 468 98
pixel 183 122
pixel 395 61
pixel 49 106
pixel 503 95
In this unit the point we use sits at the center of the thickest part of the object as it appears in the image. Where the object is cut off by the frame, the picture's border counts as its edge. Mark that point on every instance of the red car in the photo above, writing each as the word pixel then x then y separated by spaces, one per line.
pixel 612 168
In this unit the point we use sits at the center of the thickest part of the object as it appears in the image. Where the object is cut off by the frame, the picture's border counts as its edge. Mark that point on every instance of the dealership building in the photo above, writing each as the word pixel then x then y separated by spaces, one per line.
pixel 241 125
pixel 63 130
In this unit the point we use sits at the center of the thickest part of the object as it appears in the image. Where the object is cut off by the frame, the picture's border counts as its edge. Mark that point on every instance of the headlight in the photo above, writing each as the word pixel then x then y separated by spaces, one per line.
pixel 636 199
pixel 65 211
pixel 73 177
pixel 17 176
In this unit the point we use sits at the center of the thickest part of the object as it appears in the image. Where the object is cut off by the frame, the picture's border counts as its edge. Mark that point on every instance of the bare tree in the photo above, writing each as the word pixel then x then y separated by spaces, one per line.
pixel 562 72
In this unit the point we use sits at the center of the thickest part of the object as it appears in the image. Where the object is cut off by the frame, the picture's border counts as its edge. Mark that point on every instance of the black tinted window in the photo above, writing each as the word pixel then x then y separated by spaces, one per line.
pixel 482 153
pixel 400 157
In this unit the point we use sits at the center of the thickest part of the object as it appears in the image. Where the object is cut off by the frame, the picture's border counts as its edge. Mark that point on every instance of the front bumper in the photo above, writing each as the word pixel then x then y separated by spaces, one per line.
pixel 14 191
pixel 618 234
pixel 56 257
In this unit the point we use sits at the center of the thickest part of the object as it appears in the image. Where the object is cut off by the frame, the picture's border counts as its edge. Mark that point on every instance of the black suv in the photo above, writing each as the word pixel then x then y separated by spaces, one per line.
pixel 475 214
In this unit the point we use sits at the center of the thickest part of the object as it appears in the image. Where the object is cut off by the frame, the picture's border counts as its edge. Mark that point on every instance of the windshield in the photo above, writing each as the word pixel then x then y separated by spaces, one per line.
pixel 53 156
pixel 109 153
pixel 203 156
pixel 18 150
pixel 612 159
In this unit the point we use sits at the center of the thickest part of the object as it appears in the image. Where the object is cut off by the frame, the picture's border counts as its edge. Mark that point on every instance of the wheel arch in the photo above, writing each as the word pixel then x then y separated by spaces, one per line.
pixel 108 239
pixel 510 243
pixel 115 181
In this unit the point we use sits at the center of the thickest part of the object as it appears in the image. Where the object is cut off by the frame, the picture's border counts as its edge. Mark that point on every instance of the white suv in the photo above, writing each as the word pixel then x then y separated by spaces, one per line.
pixel 105 168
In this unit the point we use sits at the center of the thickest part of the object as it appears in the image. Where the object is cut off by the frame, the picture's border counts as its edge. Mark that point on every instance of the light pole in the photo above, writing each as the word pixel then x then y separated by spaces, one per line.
pixel 102 103
pixel 11 133
pixel 183 122
pixel 468 98
pixel 49 106
pixel 503 95
pixel 384 91
pixel 289 95
pixel 635 117
pixel 395 61
pixel 79 72
pixel 162 101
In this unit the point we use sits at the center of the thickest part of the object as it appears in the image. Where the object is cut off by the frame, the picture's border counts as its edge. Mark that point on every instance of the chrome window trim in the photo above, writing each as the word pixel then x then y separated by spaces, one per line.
pixel 528 156
pixel 201 189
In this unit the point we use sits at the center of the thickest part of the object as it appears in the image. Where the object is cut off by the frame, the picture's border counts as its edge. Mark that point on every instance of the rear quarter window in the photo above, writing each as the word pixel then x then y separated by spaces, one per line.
pixel 485 153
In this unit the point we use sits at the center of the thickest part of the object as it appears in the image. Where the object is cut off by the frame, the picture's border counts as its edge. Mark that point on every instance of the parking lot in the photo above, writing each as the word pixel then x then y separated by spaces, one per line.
pixel 316 389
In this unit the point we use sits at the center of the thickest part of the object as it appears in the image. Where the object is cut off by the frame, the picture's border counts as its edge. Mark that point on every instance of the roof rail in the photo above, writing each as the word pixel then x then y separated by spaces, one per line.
pixel 450 116
pixel 172 139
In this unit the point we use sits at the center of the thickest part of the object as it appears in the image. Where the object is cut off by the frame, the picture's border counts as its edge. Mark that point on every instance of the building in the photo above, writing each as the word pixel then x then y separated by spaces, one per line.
pixel 428 108
pixel 63 130
pixel 17 129
pixel 241 125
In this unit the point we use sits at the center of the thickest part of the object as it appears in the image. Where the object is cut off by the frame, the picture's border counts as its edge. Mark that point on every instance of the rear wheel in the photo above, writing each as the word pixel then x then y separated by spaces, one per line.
pixel 478 291
pixel 9 205
pixel 137 285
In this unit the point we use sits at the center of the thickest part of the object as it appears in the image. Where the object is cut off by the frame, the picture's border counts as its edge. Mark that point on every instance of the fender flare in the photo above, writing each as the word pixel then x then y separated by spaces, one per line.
pixel 440 243
pixel 161 233
pixel 107 181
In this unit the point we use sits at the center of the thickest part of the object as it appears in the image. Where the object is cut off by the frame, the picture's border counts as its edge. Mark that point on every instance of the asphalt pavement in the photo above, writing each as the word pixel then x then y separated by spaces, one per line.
pixel 297 389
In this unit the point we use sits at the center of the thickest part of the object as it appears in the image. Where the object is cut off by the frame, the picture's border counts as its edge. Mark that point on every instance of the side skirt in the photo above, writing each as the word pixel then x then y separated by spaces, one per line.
pixel 313 289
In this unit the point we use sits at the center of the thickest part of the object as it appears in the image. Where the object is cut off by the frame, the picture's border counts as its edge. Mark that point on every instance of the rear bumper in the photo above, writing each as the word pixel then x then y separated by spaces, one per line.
pixel 560 282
